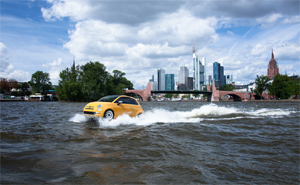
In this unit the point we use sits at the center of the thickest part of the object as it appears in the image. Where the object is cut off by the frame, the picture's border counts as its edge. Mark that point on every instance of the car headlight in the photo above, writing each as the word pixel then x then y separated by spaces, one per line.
pixel 99 106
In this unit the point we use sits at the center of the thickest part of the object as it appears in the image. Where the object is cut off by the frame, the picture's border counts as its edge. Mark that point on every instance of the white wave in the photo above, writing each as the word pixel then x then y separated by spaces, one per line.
pixel 193 116
pixel 77 118
pixel 212 109
pixel 269 112
pixel 151 117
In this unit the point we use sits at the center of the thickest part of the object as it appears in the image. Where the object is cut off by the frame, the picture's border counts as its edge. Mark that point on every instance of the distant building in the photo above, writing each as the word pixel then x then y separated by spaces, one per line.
pixel 251 87
pixel 210 80
pixel 176 86
pixel 241 88
pixel 229 79
pixel 181 87
pixel 154 86
pixel 199 72
pixel 161 79
pixel 218 74
pixel 189 83
pixel 182 74
pixel 170 82
pixel 273 68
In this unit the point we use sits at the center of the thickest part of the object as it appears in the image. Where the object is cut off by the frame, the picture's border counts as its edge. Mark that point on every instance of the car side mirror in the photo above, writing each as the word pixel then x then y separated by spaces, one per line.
pixel 119 102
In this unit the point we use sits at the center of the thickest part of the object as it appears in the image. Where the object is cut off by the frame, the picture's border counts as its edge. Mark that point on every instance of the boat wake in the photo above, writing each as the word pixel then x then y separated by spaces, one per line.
pixel 205 112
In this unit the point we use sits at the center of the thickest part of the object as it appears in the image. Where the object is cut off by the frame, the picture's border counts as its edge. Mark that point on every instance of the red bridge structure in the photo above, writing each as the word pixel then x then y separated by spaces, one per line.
pixel 236 95
pixel 214 95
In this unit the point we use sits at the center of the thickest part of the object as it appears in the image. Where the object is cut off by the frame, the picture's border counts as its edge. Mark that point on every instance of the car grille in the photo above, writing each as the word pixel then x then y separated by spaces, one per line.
pixel 91 113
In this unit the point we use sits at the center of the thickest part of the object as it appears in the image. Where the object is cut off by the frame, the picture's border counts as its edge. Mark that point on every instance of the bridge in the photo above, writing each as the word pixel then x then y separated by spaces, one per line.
pixel 212 93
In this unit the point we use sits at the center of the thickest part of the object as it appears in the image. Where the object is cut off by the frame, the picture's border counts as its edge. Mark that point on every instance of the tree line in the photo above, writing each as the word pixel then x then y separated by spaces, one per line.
pixel 90 82
pixel 282 86
pixel 87 82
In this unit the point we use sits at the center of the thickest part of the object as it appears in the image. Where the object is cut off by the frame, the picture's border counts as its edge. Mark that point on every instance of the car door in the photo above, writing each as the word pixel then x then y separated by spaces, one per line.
pixel 122 108
pixel 133 106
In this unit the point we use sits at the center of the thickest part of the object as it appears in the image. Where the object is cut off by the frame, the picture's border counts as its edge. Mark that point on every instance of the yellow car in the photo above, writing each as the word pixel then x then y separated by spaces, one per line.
pixel 112 106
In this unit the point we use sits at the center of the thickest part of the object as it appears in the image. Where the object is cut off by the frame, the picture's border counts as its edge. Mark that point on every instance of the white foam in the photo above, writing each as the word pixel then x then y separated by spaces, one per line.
pixel 151 117
pixel 212 109
pixel 78 118
pixel 269 112
pixel 205 112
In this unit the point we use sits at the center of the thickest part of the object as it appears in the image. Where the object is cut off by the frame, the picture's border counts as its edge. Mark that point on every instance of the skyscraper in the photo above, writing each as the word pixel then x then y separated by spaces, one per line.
pixel 199 71
pixel 182 74
pixel 189 83
pixel 218 74
pixel 170 82
pixel 161 79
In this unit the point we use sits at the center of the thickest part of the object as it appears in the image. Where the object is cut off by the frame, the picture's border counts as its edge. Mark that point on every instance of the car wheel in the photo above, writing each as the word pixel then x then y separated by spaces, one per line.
pixel 139 114
pixel 109 114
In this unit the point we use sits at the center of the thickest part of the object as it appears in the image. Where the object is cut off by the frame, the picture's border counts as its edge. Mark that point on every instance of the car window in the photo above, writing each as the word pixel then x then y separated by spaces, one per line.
pixel 126 100
pixel 110 98
pixel 123 99
pixel 132 101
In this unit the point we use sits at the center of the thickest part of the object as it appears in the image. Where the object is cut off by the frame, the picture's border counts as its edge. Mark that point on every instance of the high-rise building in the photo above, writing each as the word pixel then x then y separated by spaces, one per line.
pixel 154 86
pixel 189 83
pixel 170 82
pixel 216 66
pixel 218 74
pixel 210 80
pixel 161 79
pixel 199 71
pixel 273 68
pixel 182 74
pixel 221 77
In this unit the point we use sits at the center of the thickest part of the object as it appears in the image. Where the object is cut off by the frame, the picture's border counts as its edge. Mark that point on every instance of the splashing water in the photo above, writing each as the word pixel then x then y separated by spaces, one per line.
pixel 193 116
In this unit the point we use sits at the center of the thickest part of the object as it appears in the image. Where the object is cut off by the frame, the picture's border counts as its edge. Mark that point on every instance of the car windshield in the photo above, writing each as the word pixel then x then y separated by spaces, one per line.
pixel 110 98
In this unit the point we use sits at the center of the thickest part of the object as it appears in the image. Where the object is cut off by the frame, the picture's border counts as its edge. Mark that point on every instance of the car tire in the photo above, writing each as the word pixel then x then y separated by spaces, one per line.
pixel 109 114
pixel 139 114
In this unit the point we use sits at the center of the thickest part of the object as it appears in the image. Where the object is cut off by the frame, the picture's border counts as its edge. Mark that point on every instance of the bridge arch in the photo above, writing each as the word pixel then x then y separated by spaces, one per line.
pixel 132 95
pixel 234 96
pixel 145 94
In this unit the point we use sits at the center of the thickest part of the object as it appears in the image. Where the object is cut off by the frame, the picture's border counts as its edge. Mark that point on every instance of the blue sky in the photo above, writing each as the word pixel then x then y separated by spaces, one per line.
pixel 138 36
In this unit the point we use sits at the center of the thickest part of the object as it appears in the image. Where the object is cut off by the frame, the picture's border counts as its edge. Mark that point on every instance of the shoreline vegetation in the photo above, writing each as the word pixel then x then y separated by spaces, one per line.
pixel 283 100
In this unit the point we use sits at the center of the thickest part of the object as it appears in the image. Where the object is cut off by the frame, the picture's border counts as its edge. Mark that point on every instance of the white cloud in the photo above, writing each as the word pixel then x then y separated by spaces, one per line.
pixel 154 44
pixel 268 20
pixel 54 63
pixel 292 20
pixel 75 9
pixel 4 57
pixel 229 32
pixel 7 69
pixel 54 68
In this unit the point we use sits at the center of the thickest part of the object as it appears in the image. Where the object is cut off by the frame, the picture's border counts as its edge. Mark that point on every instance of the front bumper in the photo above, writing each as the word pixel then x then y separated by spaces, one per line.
pixel 92 114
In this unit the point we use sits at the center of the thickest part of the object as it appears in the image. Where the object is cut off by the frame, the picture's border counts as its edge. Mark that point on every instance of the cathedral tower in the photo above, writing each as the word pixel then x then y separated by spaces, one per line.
pixel 273 69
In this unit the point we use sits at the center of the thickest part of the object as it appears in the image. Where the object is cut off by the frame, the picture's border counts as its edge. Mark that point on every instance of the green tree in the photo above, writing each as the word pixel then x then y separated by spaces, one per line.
pixel 281 86
pixel 294 87
pixel 69 85
pixel 94 78
pixel 168 95
pixel 226 87
pixel 117 83
pixel 40 81
pixel 90 82
pixel 196 95
pixel 262 83
pixel 24 87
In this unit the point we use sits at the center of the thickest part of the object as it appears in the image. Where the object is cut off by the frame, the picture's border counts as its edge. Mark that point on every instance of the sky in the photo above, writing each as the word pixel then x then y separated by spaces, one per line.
pixel 139 36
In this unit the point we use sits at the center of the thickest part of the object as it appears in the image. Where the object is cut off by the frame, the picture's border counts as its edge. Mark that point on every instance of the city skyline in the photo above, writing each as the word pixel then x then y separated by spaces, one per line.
pixel 136 39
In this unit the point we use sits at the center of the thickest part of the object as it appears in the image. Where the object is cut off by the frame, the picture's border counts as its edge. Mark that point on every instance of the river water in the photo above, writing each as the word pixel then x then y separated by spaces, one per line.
pixel 171 143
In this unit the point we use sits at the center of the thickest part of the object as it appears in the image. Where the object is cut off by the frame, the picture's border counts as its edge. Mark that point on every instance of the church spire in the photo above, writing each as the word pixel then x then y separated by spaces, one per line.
pixel 272 53
pixel 74 63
